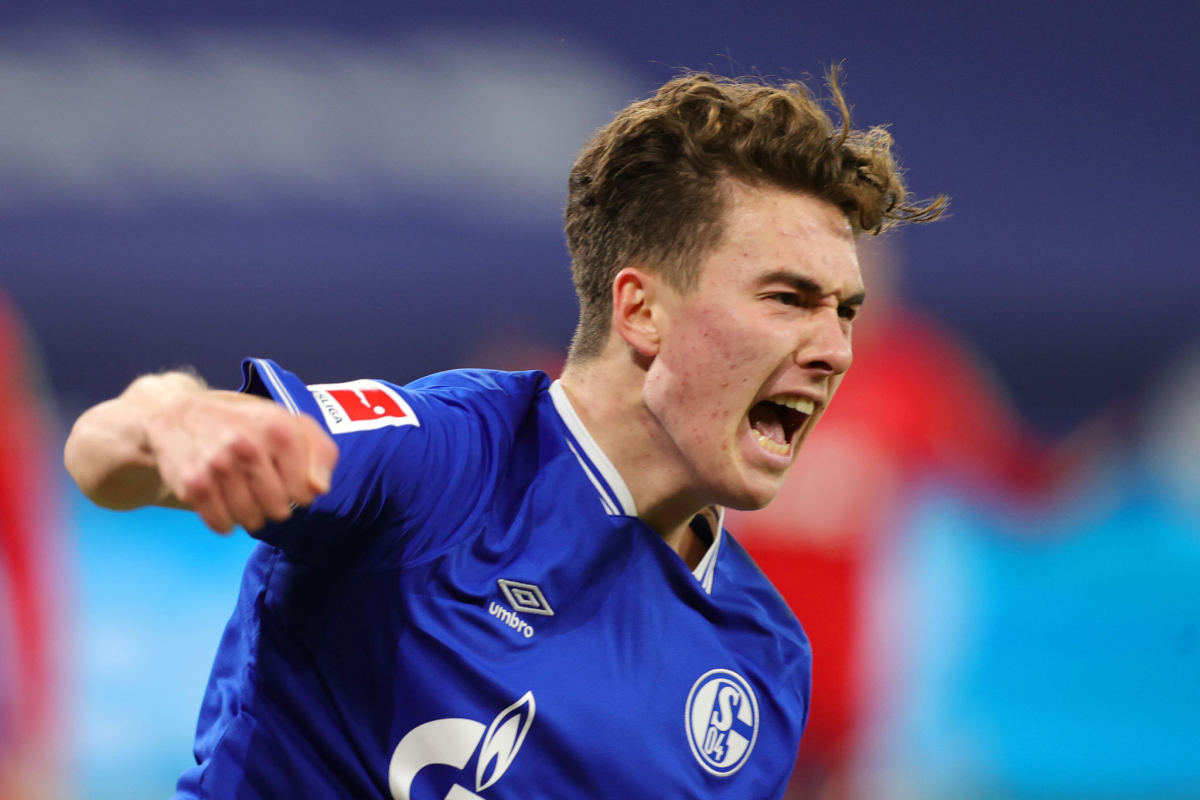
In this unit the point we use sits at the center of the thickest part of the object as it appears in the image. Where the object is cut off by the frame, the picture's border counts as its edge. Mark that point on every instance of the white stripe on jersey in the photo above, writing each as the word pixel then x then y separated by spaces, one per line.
pixel 608 506
pixel 266 369
pixel 623 503
pixel 624 498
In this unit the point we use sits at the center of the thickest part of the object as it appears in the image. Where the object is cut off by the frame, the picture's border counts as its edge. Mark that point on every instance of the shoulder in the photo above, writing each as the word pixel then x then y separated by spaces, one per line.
pixel 370 404
pixel 467 416
pixel 490 403
pixel 763 601
pixel 459 399
pixel 510 394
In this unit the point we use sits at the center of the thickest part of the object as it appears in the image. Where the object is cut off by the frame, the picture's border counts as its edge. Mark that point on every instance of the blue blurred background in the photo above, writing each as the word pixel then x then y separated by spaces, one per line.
pixel 375 190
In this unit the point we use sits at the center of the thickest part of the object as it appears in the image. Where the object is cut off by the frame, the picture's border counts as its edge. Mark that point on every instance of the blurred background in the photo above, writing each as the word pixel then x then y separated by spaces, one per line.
pixel 998 553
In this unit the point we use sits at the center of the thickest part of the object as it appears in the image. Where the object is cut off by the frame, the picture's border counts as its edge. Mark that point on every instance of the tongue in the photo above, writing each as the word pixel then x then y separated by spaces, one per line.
pixel 764 418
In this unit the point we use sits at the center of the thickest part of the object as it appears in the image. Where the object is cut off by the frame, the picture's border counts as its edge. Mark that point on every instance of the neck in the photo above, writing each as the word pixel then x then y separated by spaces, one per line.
pixel 607 395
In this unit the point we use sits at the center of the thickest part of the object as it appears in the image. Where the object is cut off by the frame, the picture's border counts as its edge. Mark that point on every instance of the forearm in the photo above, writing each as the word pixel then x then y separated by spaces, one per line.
pixel 108 452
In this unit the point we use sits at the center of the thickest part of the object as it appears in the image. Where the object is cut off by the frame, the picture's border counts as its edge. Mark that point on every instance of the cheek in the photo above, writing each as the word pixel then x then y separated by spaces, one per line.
pixel 703 381
pixel 715 346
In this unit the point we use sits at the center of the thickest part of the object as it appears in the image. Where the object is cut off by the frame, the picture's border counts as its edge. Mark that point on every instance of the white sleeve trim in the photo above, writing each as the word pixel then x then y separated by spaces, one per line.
pixel 265 368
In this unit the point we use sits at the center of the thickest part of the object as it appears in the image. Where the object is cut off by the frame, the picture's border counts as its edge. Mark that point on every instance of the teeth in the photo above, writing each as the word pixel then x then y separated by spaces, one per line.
pixel 770 446
pixel 801 404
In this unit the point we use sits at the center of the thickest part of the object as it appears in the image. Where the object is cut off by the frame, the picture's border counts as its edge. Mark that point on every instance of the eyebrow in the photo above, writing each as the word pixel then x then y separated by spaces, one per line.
pixel 806 285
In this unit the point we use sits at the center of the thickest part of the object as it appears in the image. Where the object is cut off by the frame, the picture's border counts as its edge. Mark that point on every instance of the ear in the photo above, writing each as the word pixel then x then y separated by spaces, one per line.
pixel 635 319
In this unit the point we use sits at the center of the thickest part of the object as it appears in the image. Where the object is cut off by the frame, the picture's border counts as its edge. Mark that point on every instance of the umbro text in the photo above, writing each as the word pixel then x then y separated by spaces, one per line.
pixel 511 620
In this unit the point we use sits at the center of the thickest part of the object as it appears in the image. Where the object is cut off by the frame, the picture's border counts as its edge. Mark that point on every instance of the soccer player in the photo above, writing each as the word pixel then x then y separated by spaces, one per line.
pixel 919 408
pixel 512 587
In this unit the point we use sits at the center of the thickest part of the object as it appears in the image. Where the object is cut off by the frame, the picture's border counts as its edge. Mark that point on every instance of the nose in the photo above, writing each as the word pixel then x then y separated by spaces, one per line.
pixel 827 350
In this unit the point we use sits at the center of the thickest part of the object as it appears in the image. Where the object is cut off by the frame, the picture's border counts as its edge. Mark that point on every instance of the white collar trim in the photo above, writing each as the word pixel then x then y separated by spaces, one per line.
pixel 706 570
pixel 620 499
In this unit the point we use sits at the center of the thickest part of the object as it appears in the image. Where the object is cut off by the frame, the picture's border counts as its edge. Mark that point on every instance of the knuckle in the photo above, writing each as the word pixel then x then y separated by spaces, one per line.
pixel 238 495
pixel 279 433
pixel 243 450
pixel 197 487
pixel 221 464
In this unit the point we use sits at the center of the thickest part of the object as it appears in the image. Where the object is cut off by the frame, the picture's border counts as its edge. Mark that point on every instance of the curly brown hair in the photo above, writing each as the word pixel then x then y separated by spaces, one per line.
pixel 648 187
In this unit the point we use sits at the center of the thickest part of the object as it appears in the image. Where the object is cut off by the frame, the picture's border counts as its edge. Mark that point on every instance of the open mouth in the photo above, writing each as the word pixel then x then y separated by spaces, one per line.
pixel 776 420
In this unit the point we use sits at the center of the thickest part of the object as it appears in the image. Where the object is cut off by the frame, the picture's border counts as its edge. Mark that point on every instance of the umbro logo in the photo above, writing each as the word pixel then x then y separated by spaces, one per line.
pixel 525 597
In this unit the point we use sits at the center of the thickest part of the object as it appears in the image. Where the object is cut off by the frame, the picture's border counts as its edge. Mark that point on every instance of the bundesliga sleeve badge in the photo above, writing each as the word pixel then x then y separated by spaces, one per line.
pixel 362 405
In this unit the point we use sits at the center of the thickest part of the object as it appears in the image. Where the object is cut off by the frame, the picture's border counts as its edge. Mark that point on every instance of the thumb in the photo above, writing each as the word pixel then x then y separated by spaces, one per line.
pixel 322 455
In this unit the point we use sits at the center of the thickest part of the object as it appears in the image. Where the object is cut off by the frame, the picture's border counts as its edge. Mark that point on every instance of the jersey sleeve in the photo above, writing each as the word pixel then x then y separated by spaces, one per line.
pixel 409 469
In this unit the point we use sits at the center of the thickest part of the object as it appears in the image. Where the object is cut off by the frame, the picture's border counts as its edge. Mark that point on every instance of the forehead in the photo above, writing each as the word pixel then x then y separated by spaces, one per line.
pixel 769 230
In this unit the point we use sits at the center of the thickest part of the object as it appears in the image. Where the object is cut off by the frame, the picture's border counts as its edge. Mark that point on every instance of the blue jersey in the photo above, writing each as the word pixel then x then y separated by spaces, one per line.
pixel 475 611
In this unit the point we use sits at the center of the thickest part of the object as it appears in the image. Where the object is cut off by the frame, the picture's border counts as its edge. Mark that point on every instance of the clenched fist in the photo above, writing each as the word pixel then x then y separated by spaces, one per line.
pixel 239 460
pixel 167 440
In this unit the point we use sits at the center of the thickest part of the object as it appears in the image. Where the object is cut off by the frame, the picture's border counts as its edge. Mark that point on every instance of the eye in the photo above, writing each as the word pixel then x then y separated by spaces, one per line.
pixel 787 298
pixel 848 312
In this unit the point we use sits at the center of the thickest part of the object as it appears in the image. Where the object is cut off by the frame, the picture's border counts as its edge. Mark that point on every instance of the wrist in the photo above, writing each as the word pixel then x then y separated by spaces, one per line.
pixel 147 399
pixel 154 391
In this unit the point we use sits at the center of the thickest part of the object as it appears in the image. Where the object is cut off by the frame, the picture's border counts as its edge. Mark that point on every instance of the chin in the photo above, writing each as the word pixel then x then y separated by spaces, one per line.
pixel 751 497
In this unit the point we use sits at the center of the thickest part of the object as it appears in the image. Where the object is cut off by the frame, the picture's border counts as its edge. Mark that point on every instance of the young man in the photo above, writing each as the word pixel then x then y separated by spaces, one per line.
pixel 515 588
